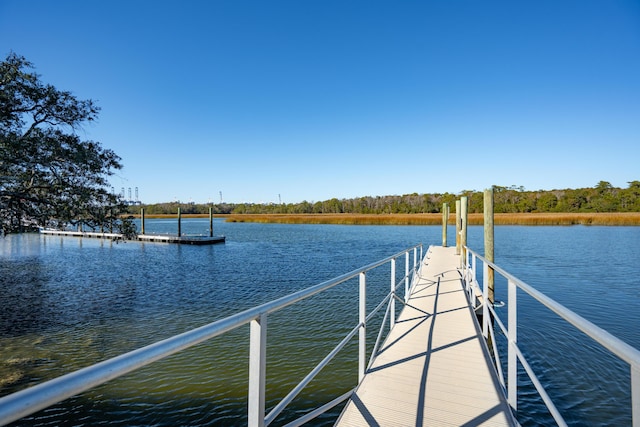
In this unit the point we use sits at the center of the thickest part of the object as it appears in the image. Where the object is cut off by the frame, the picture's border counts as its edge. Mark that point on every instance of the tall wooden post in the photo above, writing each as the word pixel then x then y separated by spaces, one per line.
pixel 141 220
pixel 464 206
pixel 445 218
pixel 179 223
pixel 210 222
pixel 488 240
pixel 458 227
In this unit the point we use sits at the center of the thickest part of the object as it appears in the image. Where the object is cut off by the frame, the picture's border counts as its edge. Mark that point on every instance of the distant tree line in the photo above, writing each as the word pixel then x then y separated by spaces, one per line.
pixel 602 198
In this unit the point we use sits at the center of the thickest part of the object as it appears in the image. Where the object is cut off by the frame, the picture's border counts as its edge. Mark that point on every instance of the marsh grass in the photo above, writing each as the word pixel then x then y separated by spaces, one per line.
pixel 621 218
pixel 595 218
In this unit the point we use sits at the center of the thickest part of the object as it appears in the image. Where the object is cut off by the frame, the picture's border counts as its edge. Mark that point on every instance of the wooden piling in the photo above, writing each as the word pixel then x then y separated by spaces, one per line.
pixel 179 223
pixel 488 240
pixel 458 227
pixel 464 206
pixel 445 218
pixel 210 222
pixel 141 220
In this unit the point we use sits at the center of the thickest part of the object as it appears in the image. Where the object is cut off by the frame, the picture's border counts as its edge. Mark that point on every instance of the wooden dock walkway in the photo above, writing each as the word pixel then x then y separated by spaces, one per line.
pixel 159 238
pixel 433 368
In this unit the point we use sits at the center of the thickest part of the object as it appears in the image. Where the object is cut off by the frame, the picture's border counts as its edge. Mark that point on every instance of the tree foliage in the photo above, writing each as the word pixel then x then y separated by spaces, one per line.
pixel 49 176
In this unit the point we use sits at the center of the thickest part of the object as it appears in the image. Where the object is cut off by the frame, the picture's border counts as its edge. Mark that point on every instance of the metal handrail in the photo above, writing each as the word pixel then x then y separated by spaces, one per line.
pixel 616 346
pixel 33 399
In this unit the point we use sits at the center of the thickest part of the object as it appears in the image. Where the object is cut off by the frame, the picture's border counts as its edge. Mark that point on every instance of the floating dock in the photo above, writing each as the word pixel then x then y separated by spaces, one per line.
pixel 159 238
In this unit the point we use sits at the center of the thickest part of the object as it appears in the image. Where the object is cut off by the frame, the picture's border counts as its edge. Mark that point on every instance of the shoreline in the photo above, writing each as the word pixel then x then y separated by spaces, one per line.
pixel 595 218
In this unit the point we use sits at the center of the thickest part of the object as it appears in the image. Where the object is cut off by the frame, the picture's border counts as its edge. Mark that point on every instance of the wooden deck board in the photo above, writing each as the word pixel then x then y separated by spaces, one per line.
pixel 151 238
pixel 433 368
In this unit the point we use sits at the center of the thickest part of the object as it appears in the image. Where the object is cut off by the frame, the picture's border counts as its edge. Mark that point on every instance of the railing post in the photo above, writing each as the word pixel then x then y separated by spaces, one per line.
pixel 406 276
pixel 485 307
pixel 257 370
pixel 362 353
pixel 392 301
pixel 512 357
pixel 473 280
pixel 635 396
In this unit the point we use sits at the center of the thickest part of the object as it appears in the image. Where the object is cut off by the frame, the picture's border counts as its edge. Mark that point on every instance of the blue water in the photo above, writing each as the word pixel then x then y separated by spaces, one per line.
pixel 67 303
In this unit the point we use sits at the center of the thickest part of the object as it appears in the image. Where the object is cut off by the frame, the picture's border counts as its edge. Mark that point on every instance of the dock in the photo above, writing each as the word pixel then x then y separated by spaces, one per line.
pixel 158 238
pixel 434 367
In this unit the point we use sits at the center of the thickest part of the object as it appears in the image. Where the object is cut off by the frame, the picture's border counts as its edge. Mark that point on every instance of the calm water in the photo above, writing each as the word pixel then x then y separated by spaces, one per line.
pixel 67 303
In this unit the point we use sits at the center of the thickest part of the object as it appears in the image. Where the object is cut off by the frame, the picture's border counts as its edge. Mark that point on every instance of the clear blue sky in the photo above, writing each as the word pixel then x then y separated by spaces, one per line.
pixel 311 99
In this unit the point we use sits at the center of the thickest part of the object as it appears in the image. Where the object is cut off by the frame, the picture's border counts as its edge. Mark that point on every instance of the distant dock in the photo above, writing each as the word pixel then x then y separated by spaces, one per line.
pixel 158 238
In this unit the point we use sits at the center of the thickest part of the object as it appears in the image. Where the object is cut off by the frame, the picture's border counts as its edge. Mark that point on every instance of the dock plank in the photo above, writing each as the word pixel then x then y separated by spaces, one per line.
pixel 151 238
pixel 433 368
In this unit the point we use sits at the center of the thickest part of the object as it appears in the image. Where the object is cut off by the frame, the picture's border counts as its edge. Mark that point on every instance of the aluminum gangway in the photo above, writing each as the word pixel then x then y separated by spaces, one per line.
pixel 434 367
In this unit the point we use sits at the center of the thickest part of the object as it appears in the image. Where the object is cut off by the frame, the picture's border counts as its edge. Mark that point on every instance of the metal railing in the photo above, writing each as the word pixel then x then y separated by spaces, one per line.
pixel 36 398
pixel 479 293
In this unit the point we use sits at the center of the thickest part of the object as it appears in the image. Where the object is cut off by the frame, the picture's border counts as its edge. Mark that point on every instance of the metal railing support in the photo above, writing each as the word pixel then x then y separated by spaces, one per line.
pixel 635 395
pixel 512 356
pixel 485 306
pixel 392 302
pixel 473 282
pixel 406 276
pixel 257 370
pixel 362 353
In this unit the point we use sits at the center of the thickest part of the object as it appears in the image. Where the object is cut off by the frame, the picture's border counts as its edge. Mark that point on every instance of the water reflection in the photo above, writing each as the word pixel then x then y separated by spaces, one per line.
pixel 25 308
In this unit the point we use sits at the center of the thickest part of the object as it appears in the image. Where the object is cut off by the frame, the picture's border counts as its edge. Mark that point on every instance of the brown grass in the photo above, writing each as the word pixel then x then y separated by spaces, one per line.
pixel 626 218
pixel 616 218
